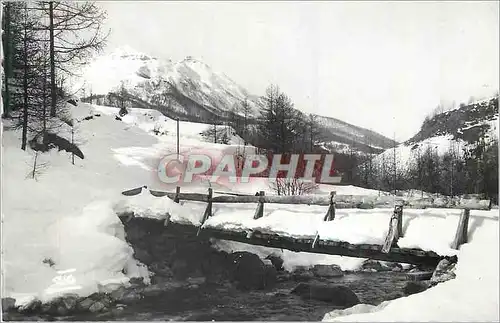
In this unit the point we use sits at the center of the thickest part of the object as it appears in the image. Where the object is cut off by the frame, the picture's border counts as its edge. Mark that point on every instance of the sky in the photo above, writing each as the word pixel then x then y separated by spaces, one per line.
pixel 380 65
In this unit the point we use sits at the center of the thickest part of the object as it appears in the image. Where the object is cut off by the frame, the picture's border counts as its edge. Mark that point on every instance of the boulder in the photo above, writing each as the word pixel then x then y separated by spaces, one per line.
pixel 32 307
pixel 136 281
pixel 131 296
pixel 327 271
pixel 85 304
pixel 414 287
pixel 337 295
pixel 97 307
pixel 302 274
pixel 50 308
pixel 62 310
pixel 8 304
pixel 249 272
pixel 69 303
pixel 372 265
pixel 391 266
pixel 276 261
pixel 118 293
pixel 444 271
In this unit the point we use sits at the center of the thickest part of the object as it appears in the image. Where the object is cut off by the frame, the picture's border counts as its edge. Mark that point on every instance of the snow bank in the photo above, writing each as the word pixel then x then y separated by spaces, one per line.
pixel 149 206
pixel 471 296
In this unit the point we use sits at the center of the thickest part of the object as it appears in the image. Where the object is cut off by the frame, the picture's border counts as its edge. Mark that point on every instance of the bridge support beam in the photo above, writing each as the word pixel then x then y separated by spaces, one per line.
pixel 208 210
pixel 410 256
pixel 462 229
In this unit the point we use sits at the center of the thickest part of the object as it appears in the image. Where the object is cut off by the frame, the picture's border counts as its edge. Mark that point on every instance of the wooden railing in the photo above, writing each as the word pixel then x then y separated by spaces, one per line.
pixel 334 201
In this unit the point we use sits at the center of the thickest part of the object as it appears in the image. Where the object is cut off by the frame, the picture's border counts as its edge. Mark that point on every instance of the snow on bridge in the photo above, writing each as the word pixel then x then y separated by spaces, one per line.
pixel 327 224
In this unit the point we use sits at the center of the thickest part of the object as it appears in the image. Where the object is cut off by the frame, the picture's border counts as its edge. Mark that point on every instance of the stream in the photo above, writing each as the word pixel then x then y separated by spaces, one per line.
pixel 226 303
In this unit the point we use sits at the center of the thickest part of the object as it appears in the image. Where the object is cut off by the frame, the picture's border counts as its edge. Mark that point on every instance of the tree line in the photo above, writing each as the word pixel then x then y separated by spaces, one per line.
pixel 282 129
pixel 472 169
pixel 45 43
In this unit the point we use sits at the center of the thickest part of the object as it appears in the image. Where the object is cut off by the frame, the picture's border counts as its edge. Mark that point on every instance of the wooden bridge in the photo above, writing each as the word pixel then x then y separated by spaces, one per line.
pixel 389 251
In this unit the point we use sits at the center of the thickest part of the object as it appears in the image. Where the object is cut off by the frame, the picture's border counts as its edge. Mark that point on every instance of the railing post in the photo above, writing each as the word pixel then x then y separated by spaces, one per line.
pixel 177 192
pixel 398 210
pixel 395 229
pixel 259 212
pixel 462 229
pixel 330 214
pixel 208 210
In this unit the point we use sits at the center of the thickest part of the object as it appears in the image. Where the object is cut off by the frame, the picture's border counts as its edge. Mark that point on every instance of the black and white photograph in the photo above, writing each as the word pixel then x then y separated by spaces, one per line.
pixel 250 161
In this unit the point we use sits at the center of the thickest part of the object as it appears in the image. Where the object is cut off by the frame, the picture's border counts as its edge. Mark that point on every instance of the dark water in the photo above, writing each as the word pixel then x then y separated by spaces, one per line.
pixel 208 303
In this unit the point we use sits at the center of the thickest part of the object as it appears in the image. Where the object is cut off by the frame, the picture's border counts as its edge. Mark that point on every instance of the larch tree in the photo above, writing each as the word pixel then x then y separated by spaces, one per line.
pixel 75 34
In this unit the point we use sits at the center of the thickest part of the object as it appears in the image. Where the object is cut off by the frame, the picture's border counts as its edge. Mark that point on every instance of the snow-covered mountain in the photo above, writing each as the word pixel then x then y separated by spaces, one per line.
pixel 192 91
pixel 341 136
pixel 189 89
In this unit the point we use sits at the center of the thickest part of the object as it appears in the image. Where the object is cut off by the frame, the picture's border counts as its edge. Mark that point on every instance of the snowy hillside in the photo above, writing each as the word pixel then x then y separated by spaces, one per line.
pixel 342 136
pixel 467 123
pixel 192 91
pixel 453 130
pixel 187 87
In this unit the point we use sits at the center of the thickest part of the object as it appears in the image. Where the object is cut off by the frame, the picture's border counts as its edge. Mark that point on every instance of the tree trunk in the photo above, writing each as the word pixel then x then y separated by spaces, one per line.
pixel 25 89
pixel 7 59
pixel 52 62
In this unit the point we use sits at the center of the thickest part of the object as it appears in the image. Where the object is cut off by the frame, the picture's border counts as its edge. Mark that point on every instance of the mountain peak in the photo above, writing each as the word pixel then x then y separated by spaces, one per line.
pixel 194 61
pixel 129 52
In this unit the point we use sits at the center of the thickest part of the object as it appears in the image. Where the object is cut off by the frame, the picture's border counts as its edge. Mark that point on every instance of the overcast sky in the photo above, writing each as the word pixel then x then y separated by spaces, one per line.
pixel 380 65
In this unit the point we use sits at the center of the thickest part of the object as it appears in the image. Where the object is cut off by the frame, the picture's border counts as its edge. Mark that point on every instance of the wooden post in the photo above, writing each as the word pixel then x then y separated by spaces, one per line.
pixel 208 211
pixel 398 210
pixel 462 229
pixel 394 229
pixel 315 241
pixel 259 212
pixel 177 192
pixel 330 214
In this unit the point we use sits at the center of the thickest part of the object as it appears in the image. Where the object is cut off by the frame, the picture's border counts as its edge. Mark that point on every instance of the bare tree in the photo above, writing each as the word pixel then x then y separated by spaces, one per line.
pixel 292 186
pixel 75 33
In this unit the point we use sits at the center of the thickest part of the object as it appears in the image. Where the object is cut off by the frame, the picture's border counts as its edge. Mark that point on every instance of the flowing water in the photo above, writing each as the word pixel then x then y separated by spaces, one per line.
pixel 217 303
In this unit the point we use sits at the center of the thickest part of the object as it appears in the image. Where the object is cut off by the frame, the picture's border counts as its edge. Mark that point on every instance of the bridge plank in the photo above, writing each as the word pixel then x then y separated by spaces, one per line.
pixel 341 201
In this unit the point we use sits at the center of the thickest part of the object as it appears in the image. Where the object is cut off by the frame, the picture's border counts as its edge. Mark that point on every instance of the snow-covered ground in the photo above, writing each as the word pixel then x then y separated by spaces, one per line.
pixel 68 213
pixel 471 296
